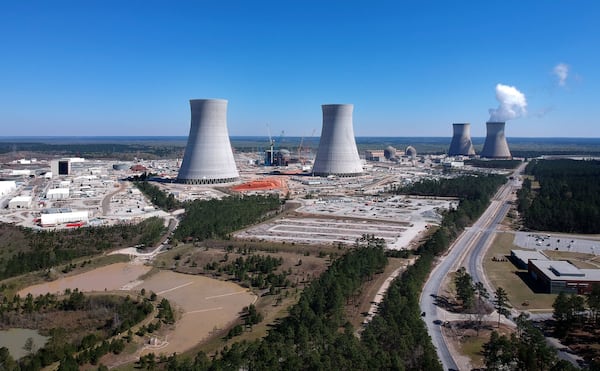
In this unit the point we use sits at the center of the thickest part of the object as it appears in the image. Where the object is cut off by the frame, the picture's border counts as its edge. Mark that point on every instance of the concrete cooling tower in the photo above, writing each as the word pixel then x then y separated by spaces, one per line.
pixel 461 141
pixel 337 153
pixel 208 157
pixel 495 145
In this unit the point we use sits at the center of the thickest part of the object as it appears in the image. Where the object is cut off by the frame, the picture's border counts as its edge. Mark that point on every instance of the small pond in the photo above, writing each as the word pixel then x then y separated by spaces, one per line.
pixel 15 338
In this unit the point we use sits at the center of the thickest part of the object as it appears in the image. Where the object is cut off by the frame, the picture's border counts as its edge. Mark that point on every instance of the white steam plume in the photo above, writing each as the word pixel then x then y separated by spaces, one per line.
pixel 512 104
pixel 561 71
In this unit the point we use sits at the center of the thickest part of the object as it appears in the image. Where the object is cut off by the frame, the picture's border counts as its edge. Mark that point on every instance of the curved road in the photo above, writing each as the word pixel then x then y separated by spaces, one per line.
pixel 472 241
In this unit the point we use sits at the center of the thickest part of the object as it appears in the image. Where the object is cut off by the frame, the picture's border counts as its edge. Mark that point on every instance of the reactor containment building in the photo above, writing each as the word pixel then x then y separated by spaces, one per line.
pixel 208 158
pixel 461 143
pixel 495 145
pixel 337 153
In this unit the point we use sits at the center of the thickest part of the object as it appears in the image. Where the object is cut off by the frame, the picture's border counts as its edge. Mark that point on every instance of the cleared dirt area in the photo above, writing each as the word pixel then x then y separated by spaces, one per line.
pixel 205 305
pixel 107 278
pixel 522 291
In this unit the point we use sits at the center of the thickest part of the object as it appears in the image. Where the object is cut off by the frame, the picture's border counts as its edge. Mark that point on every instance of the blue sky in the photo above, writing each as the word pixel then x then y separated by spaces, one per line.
pixel 411 68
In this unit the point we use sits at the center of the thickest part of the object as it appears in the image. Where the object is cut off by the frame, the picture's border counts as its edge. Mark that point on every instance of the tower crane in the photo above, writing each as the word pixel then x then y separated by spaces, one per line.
pixel 271 145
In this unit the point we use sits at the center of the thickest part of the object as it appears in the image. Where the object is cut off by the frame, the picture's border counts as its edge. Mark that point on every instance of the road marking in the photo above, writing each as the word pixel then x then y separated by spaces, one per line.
pixel 174 288
pixel 223 295
pixel 203 310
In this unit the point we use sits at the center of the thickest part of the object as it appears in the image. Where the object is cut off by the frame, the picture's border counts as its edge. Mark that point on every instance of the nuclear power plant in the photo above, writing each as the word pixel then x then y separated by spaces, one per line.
pixel 337 153
pixel 461 141
pixel 208 157
pixel 495 145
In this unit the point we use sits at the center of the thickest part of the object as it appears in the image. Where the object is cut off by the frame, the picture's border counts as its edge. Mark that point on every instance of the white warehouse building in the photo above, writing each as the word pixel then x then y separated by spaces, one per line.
pixel 20 202
pixel 63 216
pixel 57 193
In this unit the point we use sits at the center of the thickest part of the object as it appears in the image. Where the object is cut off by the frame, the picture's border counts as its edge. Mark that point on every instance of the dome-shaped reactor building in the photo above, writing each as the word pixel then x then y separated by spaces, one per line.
pixel 495 145
pixel 389 153
pixel 337 153
pixel 208 158
pixel 461 141
pixel 411 152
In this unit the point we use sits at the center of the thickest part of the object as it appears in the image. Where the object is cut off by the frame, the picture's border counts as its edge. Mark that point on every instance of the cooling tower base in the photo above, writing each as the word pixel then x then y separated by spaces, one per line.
pixel 207 181
pixel 341 175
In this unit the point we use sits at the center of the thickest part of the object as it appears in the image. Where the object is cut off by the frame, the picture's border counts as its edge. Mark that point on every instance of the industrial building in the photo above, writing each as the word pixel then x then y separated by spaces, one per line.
pixel 495 145
pixel 208 157
pixel 57 194
pixel 20 202
pixel 53 217
pixel 337 153
pixel 60 167
pixel 561 276
pixel 461 143
pixel 281 157
pixel 375 155
pixel 521 258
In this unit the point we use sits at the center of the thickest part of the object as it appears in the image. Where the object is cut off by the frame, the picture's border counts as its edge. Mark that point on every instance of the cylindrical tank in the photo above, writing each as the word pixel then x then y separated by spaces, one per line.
pixel 461 141
pixel 495 145
pixel 337 153
pixel 208 158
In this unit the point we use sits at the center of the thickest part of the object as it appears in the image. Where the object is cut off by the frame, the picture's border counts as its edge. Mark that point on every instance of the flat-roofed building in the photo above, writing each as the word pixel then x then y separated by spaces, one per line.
pixel 375 155
pixel 61 216
pixel 20 202
pixel 57 194
pixel 561 276
pixel 522 257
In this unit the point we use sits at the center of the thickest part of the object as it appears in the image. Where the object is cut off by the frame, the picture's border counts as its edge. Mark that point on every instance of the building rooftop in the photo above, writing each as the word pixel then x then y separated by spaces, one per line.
pixel 561 270
pixel 526 255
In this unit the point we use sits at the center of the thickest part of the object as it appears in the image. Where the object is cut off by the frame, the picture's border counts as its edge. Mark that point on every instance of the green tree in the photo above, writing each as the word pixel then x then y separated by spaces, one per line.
pixel 501 303
pixel 499 352
pixel 6 361
pixel 480 304
pixel 593 302
pixel 465 291
pixel 562 314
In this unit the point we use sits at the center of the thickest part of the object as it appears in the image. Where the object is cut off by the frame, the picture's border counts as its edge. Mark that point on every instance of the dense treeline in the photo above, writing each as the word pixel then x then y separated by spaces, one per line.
pixel 474 193
pixel 121 151
pixel 206 219
pixel 45 249
pixel 568 198
pixel 494 164
pixel 255 271
pixel 159 198
pixel 576 319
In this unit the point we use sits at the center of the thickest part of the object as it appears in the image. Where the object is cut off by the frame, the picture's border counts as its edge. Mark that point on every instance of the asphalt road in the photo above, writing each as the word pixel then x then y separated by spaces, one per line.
pixel 472 241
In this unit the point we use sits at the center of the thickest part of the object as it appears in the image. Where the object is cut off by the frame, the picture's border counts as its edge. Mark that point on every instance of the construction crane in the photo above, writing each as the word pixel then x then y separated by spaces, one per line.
pixel 271 145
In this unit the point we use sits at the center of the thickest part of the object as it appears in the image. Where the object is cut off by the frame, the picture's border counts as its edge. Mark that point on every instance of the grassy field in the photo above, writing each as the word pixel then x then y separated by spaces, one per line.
pixel 580 260
pixel 515 281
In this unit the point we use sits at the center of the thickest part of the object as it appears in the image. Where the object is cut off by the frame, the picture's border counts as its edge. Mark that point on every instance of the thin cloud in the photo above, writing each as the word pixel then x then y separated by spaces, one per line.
pixel 561 71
